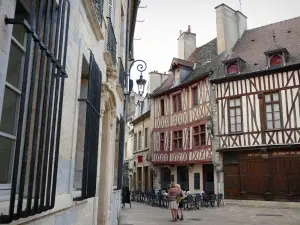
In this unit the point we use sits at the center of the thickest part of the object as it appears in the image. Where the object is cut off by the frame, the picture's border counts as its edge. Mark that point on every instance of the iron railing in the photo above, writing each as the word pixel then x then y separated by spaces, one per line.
pixel 122 75
pixel 111 44
pixel 91 139
pixel 98 6
pixel 41 106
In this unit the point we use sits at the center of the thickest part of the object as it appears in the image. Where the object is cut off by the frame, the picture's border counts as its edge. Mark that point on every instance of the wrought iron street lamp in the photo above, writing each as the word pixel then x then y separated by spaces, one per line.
pixel 141 82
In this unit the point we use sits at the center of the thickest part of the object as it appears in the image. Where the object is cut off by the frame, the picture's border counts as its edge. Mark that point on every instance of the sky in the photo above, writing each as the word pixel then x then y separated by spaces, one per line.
pixel 163 19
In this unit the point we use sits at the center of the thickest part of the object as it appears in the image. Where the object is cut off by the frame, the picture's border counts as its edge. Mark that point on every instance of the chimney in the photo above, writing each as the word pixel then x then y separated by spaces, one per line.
pixel 231 25
pixel 186 44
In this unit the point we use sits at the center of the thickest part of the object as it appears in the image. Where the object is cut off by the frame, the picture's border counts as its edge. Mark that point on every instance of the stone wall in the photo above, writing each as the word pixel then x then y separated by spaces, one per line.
pixel 81 40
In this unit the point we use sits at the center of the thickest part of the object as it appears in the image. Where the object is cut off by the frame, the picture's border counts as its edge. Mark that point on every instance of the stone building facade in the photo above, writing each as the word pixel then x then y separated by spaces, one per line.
pixel 62 93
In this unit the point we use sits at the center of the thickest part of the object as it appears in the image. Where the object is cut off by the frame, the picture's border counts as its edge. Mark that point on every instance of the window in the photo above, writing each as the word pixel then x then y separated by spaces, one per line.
pixel 162 141
pixel 196 181
pixel 31 118
pixel 235 116
pixel 199 135
pixel 177 106
pixel 195 96
pixel 177 139
pixel 162 107
pixel 146 137
pixel 88 124
pixel 232 68
pixel 140 140
pixel 142 107
pixel 273 117
pixel 276 60
pixel 135 142
pixel 11 100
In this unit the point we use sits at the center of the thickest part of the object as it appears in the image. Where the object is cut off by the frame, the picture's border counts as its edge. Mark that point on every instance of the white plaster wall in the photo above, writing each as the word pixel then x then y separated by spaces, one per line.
pixel 197 168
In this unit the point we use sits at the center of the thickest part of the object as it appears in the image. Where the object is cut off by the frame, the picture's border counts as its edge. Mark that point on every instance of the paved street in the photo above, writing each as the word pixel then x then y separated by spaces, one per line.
pixel 141 214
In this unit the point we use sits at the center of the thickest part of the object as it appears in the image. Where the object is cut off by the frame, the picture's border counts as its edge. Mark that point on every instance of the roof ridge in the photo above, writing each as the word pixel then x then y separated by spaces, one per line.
pixel 270 24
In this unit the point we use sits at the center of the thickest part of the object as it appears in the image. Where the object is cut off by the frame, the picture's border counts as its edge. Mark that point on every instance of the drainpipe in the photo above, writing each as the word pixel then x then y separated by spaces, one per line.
pixel 211 89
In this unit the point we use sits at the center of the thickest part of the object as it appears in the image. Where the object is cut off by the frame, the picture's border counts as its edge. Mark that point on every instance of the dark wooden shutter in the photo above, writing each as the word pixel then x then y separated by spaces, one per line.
pixel 196 181
pixel 91 140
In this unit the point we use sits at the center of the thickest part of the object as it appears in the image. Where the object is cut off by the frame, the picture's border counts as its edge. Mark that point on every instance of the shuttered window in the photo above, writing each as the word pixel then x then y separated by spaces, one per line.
pixel 34 95
pixel 177 103
pixel 90 104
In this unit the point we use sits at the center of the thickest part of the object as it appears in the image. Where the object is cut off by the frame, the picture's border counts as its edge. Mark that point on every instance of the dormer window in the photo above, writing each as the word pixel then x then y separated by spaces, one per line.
pixel 232 68
pixel 233 65
pixel 277 57
pixel 276 60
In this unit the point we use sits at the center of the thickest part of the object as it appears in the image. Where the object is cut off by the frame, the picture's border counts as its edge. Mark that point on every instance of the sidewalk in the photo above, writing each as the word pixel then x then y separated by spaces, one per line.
pixel 142 214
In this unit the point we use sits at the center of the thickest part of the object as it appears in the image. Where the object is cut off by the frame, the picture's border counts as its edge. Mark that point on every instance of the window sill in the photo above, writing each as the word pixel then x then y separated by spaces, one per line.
pixel 178 150
pixel 62 202
pixel 76 194
pixel 272 130
pixel 235 133
pixel 141 150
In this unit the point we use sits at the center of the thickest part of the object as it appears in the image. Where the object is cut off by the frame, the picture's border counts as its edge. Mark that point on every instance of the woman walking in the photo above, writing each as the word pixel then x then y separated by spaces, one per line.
pixel 172 196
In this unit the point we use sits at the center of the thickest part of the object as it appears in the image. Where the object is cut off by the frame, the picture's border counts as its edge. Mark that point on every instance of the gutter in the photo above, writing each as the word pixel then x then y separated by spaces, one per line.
pixel 182 85
pixel 134 16
pixel 256 73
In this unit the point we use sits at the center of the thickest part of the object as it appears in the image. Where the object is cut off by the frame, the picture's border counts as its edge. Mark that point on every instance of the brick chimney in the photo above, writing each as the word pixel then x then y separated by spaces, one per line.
pixel 186 44
pixel 231 25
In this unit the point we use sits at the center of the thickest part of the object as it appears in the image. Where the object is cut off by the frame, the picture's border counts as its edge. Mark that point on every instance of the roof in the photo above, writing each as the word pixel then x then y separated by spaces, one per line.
pixel 206 59
pixel 251 49
pixel 182 62
pixel 284 35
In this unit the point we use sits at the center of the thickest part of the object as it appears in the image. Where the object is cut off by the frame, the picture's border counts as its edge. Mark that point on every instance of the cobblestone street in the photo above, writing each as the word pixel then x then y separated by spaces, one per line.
pixel 141 214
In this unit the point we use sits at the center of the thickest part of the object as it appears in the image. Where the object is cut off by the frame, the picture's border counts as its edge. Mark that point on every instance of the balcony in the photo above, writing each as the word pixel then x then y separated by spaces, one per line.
pixel 94 11
pixel 110 54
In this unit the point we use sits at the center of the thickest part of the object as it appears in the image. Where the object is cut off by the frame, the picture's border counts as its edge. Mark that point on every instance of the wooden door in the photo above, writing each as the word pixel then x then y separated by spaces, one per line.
pixel 252 179
pixel 231 181
pixel 284 179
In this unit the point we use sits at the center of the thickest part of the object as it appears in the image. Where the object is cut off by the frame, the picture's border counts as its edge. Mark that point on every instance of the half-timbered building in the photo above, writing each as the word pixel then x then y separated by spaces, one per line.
pixel 257 113
pixel 180 109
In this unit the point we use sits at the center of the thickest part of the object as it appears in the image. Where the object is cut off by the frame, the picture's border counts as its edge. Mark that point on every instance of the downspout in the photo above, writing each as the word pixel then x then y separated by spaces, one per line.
pixel 211 89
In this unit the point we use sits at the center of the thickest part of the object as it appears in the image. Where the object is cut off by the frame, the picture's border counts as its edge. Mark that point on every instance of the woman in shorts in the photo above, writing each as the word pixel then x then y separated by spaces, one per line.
pixel 172 196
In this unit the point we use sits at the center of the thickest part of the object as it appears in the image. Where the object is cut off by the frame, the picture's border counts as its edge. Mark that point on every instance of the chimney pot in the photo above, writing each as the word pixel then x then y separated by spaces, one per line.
pixel 189 28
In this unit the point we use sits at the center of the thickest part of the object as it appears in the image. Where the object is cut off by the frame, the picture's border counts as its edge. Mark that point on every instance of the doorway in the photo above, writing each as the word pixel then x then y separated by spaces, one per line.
pixel 208 178
pixel 183 177
pixel 165 178
pixel 146 178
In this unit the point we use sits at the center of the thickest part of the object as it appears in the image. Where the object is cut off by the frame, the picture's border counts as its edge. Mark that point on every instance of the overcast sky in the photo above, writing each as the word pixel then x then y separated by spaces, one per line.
pixel 164 19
